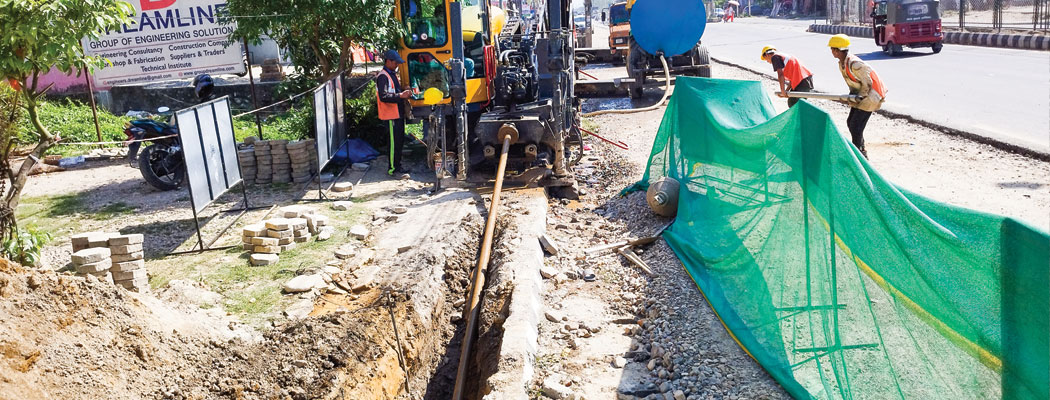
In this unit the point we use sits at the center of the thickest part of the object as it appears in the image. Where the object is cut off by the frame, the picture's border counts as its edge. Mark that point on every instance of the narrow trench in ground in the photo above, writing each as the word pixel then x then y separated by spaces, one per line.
pixel 483 360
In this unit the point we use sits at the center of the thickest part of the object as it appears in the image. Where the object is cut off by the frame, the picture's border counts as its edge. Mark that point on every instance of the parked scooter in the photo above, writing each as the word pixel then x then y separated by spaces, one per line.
pixel 161 163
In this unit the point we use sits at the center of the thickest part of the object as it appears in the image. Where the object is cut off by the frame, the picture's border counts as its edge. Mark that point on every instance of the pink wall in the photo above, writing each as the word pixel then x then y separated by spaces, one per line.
pixel 63 83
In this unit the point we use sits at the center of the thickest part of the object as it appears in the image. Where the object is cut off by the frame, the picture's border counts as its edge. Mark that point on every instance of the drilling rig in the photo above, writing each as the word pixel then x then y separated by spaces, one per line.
pixel 502 71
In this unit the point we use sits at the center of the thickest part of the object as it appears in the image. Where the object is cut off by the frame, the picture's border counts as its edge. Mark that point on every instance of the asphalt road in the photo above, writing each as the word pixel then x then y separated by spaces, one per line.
pixel 999 93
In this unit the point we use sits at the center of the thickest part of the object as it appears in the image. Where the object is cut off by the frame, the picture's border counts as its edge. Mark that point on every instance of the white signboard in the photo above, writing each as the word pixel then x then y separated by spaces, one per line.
pixel 210 150
pixel 169 39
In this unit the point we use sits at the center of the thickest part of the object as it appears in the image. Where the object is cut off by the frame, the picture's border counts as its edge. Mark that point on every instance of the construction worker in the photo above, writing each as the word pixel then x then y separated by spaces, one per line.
pixel 790 73
pixel 863 82
pixel 390 101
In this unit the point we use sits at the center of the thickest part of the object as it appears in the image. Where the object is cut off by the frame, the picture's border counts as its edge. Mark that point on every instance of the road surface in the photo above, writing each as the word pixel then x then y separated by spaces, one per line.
pixel 1003 94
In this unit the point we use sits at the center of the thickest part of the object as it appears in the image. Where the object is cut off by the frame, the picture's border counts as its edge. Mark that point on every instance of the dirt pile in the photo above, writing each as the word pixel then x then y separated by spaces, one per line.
pixel 70 337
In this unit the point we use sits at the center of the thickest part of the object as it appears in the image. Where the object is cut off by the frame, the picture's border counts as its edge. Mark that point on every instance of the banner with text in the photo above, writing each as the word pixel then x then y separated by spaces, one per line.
pixel 169 39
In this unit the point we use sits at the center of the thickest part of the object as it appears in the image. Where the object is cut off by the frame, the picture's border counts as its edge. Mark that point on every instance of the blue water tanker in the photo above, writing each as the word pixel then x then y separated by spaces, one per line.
pixel 671 28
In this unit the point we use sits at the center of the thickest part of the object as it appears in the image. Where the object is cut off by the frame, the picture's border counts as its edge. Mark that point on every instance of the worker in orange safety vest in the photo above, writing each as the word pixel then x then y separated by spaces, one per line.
pixel 390 101
pixel 791 74
pixel 863 82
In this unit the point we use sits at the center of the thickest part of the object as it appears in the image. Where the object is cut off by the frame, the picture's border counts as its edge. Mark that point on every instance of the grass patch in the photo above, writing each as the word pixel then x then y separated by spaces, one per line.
pixel 113 210
pixel 58 215
pixel 253 293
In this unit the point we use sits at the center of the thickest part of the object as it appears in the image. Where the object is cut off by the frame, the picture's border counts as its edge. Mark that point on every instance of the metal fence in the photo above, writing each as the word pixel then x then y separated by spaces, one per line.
pixel 976 15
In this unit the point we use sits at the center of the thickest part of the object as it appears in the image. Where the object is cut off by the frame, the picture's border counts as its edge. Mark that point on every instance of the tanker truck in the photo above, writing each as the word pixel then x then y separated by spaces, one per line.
pixel 641 65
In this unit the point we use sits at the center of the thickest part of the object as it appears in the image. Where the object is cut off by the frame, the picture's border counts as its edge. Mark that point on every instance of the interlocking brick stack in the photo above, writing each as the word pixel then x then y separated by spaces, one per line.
pixel 246 158
pixel 263 162
pixel 296 224
pixel 89 240
pixel 282 163
pixel 299 154
pixel 94 261
pixel 129 268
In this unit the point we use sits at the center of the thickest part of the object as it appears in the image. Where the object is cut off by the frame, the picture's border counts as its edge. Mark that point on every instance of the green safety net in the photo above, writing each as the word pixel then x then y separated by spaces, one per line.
pixel 840 284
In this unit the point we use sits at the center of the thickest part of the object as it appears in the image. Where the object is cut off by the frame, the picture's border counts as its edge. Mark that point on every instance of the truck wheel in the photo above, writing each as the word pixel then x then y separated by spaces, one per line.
pixel 703 61
pixel 893 49
pixel 937 47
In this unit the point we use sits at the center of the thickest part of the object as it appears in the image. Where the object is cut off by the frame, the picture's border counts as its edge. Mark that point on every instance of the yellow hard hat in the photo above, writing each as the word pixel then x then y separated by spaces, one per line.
pixel 432 96
pixel 840 41
pixel 766 50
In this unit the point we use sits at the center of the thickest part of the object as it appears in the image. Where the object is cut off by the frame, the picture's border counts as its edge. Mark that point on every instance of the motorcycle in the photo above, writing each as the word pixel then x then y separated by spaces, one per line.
pixel 161 163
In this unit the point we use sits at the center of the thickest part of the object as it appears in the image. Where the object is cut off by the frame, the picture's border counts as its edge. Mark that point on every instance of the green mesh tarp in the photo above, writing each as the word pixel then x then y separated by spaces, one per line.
pixel 840 284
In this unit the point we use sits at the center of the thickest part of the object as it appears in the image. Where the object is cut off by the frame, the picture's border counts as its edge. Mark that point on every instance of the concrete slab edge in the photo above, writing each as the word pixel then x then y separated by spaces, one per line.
pixel 517 353
pixel 1035 153
pixel 1017 41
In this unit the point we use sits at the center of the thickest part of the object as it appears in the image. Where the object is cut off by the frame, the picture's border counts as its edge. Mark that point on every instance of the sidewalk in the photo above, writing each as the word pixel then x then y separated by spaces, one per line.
pixel 1009 41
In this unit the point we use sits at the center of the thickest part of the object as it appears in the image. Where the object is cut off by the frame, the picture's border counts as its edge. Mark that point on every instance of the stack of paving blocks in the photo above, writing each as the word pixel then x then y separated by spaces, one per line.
pixel 246 159
pixel 268 239
pixel 271 71
pixel 129 268
pixel 263 162
pixel 111 257
pixel 94 261
pixel 282 164
pixel 299 153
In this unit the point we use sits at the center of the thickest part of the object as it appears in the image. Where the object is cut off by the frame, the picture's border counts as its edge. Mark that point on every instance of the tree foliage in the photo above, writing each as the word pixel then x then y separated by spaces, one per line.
pixel 39 35
pixel 317 33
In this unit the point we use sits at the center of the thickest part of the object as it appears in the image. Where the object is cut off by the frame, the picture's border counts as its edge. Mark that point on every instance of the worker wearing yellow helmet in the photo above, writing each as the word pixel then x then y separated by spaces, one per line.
pixel 863 82
pixel 791 74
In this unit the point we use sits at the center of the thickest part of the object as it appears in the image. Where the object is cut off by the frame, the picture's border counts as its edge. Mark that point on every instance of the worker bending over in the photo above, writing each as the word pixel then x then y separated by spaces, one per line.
pixel 390 100
pixel 792 75
pixel 863 82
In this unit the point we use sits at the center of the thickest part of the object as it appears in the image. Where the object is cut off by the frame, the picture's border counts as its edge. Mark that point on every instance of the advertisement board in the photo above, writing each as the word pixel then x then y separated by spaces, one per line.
pixel 208 144
pixel 169 39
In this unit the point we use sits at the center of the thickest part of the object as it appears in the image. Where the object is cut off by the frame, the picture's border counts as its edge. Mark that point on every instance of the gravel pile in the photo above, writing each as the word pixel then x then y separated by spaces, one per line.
pixel 677 348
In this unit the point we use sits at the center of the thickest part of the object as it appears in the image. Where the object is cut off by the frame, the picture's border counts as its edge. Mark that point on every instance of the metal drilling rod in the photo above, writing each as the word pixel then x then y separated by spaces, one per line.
pixel 479 274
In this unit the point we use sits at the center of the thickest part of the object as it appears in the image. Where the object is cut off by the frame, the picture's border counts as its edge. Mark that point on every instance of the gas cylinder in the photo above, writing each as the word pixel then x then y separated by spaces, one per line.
pixel 662 196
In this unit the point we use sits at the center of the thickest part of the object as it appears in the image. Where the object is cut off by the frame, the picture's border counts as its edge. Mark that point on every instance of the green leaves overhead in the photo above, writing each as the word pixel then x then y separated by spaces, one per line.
pixel 318 33
pixel 39 34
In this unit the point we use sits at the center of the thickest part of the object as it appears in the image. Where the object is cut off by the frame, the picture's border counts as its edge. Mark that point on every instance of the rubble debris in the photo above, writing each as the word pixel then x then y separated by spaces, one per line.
pixel 341 187
pixel 548 245
pixel 359 232
pixel 304 283
pixel 342 205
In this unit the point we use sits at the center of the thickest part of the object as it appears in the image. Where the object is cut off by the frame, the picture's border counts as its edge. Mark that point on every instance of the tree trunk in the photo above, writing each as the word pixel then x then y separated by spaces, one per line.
pixel 346 59
pixel 44 142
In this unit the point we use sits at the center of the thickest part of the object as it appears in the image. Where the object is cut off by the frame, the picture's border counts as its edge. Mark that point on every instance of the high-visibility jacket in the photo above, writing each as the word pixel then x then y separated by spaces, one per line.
pixel 794 71
pixel 862 80
pixel 387 88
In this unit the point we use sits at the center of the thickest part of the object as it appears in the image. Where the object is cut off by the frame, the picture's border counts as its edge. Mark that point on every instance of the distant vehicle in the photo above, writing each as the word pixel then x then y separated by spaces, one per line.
pixel 912 23
pixel 580 21
pixel 718 15
pixel 619 26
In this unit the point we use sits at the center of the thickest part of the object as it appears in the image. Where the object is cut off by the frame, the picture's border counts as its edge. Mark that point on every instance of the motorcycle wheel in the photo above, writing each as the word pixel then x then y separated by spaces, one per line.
pixel 161 169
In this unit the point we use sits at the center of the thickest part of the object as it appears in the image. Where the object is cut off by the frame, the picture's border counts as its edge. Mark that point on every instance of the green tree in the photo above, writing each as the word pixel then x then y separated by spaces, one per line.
pixel 317 33
pixel 37 36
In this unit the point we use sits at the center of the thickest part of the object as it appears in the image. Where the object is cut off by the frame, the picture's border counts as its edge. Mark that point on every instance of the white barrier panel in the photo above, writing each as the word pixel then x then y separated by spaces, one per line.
pixel 210 150
pixel 329 120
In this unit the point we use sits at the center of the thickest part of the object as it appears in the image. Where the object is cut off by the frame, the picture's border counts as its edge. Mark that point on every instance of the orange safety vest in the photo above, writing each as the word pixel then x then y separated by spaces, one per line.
pixel 387 111
pixel 794 71
pixel 876 83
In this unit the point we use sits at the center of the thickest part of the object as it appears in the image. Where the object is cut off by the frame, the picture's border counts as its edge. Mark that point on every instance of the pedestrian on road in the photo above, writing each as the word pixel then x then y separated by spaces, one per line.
pixel 864 83
pixel 790 73
pixel 390 101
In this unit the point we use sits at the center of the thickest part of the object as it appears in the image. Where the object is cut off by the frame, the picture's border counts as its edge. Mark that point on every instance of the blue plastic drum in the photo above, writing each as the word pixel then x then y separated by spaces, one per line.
pixel 669 26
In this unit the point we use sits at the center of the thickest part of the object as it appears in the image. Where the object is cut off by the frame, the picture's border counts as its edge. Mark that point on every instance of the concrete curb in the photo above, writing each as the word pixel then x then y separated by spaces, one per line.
pixel 1038 154
pixel 521 268
pixel 1024 42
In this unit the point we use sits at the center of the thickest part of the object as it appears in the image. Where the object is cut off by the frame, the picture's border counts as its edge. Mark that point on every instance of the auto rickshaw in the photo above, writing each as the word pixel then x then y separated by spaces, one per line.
pixel 912 23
